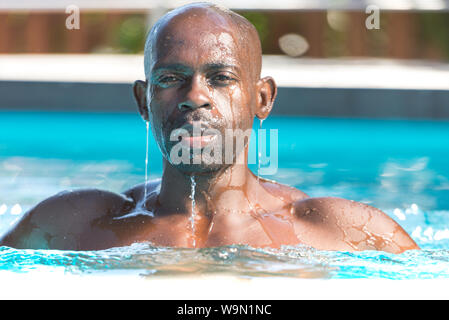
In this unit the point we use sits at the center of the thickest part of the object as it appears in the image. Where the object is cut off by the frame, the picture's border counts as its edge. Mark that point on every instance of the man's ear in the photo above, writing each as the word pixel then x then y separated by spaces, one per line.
pixel 266 94
pixel 140 94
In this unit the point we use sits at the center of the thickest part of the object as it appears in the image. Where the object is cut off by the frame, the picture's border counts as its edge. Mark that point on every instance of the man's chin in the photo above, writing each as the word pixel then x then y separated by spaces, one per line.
pixel 199 169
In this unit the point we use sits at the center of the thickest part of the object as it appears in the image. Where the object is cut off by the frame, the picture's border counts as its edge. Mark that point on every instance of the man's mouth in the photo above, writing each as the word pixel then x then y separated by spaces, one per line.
pixel 195 136
pixel 198 142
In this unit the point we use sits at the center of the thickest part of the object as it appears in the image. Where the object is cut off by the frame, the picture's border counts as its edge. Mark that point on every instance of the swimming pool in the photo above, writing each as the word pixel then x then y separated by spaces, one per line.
pixel 395 165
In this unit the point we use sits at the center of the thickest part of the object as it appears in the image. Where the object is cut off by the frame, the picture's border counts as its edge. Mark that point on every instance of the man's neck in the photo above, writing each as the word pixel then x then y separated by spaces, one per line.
pixel 208 193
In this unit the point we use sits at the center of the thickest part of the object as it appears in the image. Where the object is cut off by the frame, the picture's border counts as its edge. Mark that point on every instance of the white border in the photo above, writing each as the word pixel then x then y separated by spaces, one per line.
pixel 51 285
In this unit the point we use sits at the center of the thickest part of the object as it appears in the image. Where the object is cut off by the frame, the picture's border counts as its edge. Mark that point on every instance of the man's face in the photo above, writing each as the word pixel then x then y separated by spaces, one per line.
pixel 199 76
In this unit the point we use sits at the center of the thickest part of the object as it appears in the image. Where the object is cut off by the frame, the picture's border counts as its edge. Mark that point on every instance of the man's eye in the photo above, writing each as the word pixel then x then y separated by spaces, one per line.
pixel 222 78
pixel 169 79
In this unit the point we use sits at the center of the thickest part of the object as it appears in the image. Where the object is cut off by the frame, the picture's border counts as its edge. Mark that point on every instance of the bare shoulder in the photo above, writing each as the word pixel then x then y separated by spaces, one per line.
pixel 137 192
pixel 360 226
pixel 281 190
pixel 59 221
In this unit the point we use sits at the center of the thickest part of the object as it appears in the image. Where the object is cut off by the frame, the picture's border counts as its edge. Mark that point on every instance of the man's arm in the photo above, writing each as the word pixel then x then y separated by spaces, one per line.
pixel 353 225
pixel 60 221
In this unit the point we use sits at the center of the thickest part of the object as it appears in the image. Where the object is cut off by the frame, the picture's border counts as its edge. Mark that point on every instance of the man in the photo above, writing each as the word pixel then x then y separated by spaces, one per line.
pixel 202 66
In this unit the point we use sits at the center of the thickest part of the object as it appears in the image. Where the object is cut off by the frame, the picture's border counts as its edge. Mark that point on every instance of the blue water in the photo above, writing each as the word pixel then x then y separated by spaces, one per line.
pixel 397 166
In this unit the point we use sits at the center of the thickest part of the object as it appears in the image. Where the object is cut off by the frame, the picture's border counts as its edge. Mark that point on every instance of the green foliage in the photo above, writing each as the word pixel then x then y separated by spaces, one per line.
pixel 434 28
pixel 260 21
pixel 131 34
pixel 334 42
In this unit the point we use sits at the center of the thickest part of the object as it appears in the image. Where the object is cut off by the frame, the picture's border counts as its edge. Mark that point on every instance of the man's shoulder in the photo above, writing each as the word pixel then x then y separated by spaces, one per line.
pixel 67 214
pixel 346 211
pixel 137 192
pixel 359 225
pixel 82 202
pixel 281 190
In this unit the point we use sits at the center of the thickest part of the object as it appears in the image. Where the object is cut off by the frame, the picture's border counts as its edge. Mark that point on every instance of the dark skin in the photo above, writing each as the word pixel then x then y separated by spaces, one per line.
pixel 199 71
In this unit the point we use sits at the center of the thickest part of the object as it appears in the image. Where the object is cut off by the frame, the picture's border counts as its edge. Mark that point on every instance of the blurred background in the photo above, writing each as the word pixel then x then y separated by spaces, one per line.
pixel 362 107
pixel 362 48
pixel 421 32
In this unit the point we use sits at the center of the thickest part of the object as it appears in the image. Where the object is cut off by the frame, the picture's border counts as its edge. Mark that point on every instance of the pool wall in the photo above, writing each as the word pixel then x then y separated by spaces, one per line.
pixel 361 88
pixel 297 101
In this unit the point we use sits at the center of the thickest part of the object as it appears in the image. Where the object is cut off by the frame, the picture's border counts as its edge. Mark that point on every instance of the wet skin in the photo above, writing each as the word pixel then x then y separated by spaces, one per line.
pixel 205 66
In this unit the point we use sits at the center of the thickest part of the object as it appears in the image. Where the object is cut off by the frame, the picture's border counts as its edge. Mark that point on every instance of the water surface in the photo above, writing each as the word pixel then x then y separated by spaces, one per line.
pixel 397 166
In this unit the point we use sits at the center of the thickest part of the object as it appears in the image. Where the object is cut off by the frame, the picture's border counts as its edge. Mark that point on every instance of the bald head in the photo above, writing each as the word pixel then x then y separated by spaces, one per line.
pixel 199 18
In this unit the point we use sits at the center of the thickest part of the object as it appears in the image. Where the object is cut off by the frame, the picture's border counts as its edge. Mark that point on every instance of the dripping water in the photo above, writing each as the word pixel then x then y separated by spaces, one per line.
pixel 140 207
pixel 193 213
pixel 259 154
pixel 147 123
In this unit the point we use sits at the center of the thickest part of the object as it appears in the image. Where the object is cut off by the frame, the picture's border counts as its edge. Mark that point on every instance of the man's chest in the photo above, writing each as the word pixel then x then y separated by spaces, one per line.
pixel 228 228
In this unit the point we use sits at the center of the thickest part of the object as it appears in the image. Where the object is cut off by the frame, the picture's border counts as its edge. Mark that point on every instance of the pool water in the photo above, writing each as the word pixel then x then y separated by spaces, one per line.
pixel 397 166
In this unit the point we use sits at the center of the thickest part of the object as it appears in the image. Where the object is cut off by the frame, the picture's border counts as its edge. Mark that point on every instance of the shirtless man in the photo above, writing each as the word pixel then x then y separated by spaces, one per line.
pixel 202 65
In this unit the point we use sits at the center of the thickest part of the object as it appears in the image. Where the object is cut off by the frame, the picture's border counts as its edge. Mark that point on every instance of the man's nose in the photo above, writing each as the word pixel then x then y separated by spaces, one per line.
pixel 197 96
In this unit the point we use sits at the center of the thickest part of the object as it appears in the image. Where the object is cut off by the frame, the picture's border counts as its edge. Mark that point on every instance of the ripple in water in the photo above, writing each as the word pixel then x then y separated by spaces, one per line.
pixel 244 261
